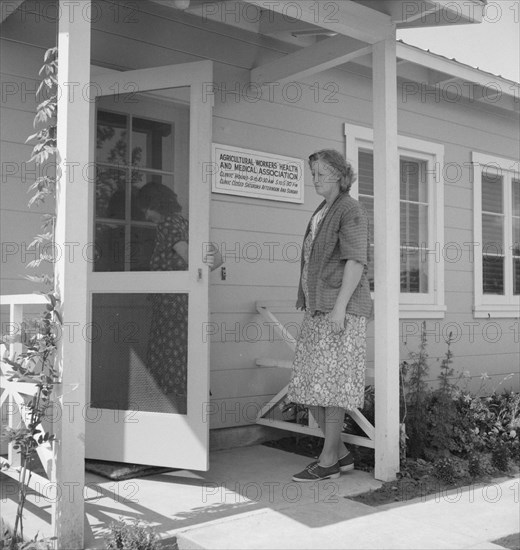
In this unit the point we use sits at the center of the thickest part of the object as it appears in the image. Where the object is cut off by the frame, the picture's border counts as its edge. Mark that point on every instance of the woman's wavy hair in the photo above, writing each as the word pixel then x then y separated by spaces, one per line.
pixel 338 163
pixel 158 197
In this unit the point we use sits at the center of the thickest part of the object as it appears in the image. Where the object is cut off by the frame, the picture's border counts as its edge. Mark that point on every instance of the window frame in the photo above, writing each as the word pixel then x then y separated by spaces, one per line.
pixel 494 305
pixel 431 304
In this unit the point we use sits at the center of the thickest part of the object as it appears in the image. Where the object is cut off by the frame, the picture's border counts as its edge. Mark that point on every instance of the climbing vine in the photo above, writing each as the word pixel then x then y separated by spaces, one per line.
pixel 39 336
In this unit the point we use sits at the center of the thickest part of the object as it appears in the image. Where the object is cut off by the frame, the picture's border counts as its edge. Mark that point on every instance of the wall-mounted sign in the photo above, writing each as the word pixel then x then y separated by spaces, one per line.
pixel 249 173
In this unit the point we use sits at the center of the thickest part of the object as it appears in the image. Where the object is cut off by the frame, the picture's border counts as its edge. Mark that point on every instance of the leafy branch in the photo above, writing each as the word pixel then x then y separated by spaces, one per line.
pixel 36 363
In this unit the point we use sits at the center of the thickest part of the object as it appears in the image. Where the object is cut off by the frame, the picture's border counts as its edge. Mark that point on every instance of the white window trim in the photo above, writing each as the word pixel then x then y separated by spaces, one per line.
pixel 429 305
pixel 489 305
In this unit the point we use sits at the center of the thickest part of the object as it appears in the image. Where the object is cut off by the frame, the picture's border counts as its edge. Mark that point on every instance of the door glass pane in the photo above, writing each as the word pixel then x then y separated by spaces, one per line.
pixel 112 138
pixel 146 136
pixel 153 144
pixel 110 247
pixel 139 352
pixel 110 193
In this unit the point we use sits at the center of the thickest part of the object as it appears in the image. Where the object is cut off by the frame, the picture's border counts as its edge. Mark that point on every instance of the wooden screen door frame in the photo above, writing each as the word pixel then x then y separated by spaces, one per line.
pixel 162 439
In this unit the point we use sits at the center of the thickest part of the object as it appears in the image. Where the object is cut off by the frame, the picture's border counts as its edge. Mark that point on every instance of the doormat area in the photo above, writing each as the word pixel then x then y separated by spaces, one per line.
pixel 118 471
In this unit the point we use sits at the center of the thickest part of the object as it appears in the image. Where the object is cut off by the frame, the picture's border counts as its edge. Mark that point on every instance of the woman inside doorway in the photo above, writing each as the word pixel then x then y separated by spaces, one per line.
pixel 168 342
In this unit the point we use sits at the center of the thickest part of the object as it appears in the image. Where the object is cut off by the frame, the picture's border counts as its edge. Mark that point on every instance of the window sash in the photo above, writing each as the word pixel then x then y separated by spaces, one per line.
pixel 415 227
pixel 497 272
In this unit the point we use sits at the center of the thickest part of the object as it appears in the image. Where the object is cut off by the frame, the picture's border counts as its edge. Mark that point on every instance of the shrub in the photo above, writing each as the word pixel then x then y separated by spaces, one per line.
pixel 415 394
pixel 7 542
pixel 500 456
pixel 475 466
pixel 451 422
pixel 131 536
pixel 444 469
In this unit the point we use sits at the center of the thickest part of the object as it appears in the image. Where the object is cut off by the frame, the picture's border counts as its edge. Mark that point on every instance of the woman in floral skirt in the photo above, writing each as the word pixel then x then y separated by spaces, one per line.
pixel 329 364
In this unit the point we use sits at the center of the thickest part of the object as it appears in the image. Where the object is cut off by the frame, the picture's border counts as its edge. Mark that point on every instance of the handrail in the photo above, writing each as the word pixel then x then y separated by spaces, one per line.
pixel 265 309
pixel 14 390
pixel 22 299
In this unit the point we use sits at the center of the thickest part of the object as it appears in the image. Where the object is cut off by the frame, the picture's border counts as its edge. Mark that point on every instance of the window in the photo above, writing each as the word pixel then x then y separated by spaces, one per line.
pixel 421 217
pixel 497 236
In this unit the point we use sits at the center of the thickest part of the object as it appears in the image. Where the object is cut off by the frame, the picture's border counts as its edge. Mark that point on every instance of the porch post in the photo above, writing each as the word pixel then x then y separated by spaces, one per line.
pixel 71 269
pixel 386 254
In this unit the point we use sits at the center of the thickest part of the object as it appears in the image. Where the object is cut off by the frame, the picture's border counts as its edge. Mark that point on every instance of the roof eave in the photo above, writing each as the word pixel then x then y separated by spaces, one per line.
pixel 438 13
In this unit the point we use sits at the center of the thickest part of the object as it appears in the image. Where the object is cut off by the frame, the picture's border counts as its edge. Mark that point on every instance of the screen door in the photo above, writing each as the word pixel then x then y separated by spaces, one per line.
pixel 149 370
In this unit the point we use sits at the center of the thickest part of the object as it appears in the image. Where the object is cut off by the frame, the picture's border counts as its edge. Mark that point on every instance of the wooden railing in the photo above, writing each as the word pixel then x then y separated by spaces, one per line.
pixel 14 394
pixel 265 309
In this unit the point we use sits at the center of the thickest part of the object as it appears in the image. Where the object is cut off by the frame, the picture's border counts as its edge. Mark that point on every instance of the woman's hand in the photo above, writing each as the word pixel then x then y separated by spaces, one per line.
pixel 351 277
pixel 212 257
pixel 337 320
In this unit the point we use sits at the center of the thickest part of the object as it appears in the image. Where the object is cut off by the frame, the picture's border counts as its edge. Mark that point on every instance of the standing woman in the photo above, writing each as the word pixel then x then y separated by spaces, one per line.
pixel 329 364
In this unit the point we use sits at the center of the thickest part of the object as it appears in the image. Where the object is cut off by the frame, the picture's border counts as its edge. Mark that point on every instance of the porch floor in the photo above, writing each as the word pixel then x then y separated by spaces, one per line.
pixel 247 500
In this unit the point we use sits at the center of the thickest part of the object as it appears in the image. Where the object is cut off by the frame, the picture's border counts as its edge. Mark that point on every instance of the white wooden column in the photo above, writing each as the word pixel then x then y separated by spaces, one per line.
pixel 71 269
pixel 386 254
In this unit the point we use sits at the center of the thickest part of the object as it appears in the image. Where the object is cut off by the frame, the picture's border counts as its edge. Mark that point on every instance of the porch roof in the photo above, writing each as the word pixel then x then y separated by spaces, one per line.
pixel 365 20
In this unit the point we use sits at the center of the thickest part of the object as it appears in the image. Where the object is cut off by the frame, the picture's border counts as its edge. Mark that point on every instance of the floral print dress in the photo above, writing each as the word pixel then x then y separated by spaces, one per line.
pixel 168 343
pixel 328 368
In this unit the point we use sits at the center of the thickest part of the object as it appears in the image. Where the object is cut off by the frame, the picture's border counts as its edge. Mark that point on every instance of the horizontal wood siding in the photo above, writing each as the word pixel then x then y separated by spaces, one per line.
pixel 262 239
pixel 22 49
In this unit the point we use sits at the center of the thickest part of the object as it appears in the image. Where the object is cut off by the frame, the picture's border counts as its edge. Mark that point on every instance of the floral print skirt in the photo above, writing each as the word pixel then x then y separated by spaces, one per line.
pixel 329 368
pixel 168 345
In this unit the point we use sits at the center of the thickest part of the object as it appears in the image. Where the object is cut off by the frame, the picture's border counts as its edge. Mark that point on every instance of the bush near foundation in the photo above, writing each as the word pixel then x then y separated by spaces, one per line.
pixel 454 437
pixel 450 436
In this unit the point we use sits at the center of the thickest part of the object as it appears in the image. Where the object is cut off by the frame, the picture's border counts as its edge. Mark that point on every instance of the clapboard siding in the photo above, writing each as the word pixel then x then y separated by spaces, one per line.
pixel 227 384
pixel 18 92
pixel 241 226
pixel 14 194
pixel 16 238
pixel 14 125
pixel 231 298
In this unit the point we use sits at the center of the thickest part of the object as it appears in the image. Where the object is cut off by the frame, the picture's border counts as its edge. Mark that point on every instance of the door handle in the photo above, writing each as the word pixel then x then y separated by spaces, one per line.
pixel 199 274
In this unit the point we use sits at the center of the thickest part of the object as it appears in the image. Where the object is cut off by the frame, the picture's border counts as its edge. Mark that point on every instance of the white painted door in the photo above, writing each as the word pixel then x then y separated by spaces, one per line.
pixel 148 384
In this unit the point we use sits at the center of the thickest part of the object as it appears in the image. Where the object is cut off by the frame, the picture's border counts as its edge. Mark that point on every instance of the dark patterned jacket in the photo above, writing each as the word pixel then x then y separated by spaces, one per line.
pixel 342 235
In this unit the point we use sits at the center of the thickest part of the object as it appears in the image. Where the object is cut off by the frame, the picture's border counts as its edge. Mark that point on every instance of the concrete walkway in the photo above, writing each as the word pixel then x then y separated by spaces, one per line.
pixel 247 500
pixel 240 482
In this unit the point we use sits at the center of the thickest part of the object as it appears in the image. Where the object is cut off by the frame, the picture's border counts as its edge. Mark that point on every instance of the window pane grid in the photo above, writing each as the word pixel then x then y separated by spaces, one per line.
pixel 414 219
pixel 134 150
pixel 499 269
pixel 492 194
pixel 515 191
